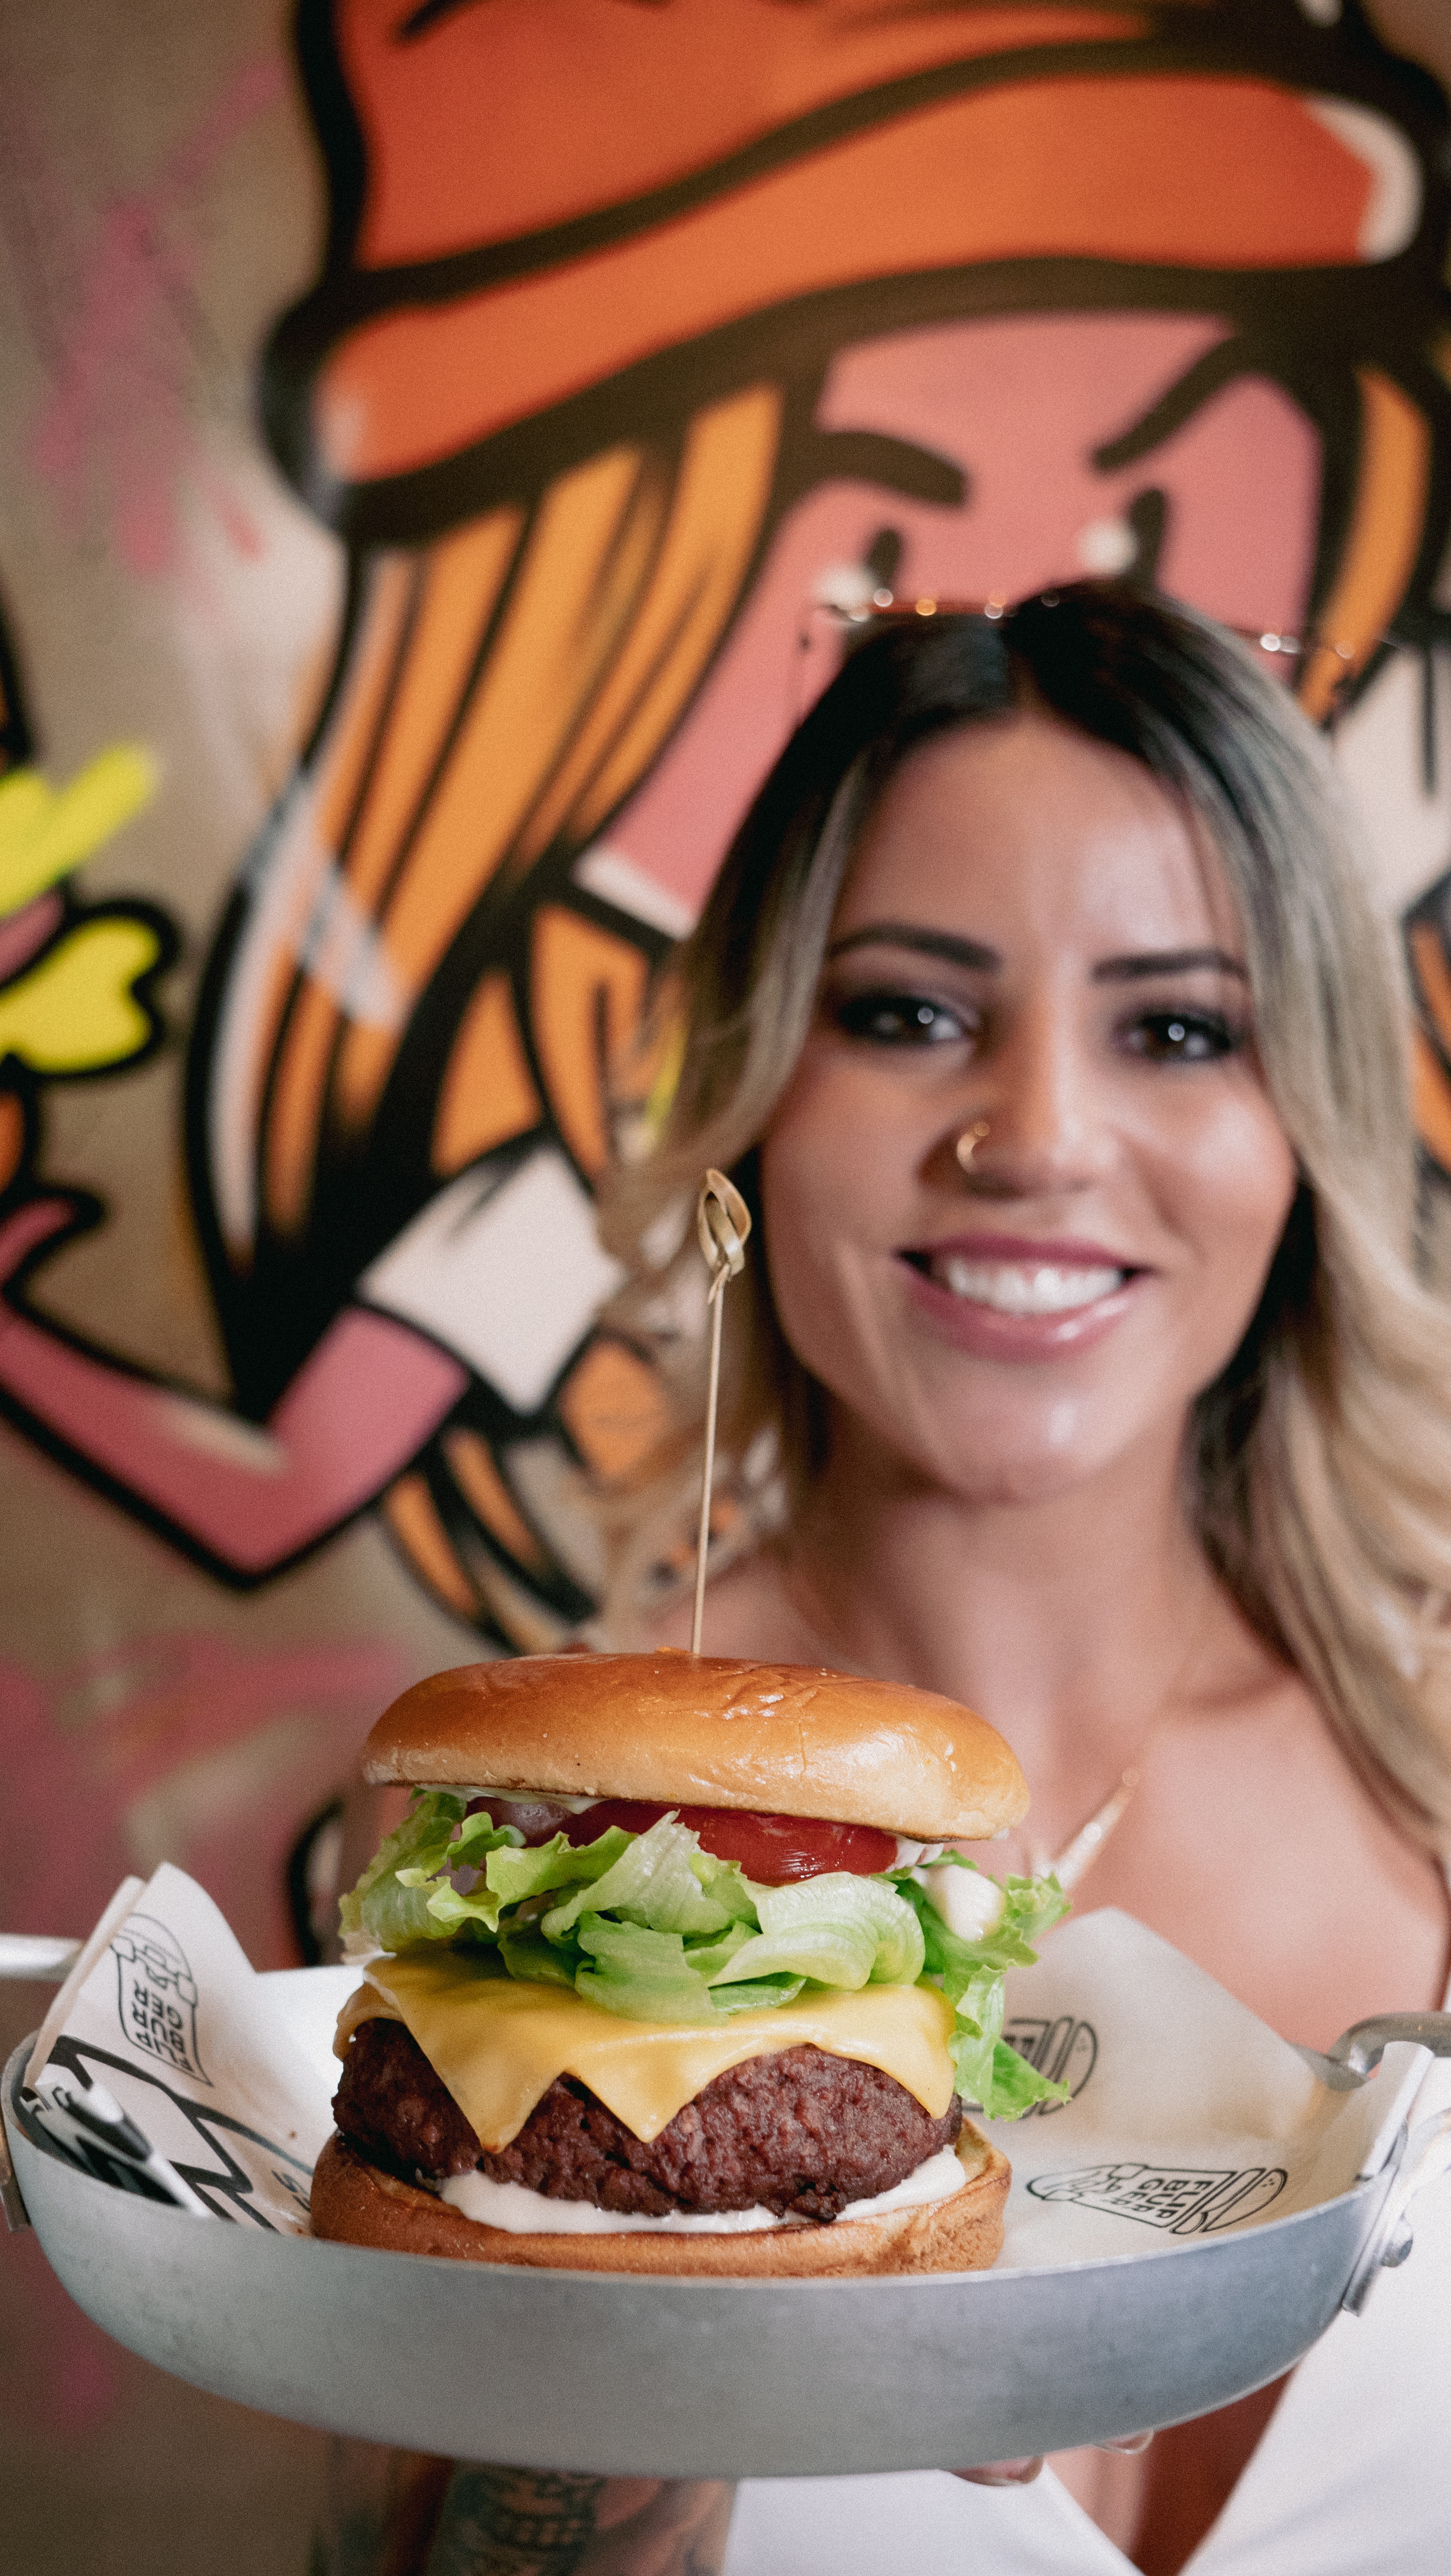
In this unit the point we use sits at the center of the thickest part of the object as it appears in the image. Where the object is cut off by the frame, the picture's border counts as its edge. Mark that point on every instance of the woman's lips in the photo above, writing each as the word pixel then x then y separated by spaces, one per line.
pixel 1011 1297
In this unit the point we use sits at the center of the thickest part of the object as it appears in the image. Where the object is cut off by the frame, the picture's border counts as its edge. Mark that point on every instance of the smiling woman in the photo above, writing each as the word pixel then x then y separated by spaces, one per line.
pixel 1081 877
pixel 1043 1018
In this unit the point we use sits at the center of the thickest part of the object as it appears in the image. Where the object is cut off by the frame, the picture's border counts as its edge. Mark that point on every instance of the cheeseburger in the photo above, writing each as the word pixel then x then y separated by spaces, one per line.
pixel 671 1967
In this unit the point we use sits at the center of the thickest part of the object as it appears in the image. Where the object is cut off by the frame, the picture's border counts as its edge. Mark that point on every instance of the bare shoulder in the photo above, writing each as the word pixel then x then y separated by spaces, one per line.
pixel 1257 1847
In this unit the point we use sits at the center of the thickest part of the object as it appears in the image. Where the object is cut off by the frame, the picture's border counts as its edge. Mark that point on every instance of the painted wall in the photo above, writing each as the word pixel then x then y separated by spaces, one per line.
pixel 439 448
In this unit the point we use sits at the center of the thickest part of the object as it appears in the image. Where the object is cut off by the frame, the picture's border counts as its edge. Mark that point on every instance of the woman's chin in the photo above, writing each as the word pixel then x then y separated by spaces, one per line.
pixel 989 1464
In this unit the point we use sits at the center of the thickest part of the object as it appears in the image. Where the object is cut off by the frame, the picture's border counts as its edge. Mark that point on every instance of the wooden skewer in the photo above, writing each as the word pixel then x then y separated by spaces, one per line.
pixel 723 1223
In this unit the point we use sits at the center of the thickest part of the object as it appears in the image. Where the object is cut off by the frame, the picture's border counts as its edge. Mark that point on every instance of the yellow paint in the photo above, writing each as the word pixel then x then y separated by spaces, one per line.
pixel 47 831
pixel 499 2046
pixel 76 1011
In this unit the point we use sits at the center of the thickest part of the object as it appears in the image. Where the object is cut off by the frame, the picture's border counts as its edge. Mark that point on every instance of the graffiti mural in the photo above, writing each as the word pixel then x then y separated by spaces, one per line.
pixel 648 342
pixel 77 978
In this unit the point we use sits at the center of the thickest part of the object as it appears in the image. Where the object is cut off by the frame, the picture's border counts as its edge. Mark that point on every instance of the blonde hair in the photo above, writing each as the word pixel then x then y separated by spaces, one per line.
pixel 1319 1462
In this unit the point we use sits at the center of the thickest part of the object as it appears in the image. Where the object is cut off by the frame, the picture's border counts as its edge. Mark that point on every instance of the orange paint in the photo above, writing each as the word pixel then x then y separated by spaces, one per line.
pixel 589 104
pixel 1197 172
pixel 613 1407
pixel 587 988
pixel 1431 1099
pixel 486 1493
pixel 408 1509
pixel 488 1093
pixel 1384 539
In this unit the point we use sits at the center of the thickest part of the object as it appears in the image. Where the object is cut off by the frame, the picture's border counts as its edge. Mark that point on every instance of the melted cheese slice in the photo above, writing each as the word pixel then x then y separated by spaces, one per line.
pixel 498 2046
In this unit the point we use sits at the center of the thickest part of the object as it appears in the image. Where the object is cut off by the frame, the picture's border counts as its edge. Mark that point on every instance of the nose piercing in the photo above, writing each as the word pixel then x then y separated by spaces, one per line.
pixel 969 1141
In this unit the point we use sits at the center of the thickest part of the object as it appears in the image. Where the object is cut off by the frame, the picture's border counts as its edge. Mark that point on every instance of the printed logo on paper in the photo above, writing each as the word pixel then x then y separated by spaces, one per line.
pixel 1188 2200
pixel 157 1995
pixel 1065 2050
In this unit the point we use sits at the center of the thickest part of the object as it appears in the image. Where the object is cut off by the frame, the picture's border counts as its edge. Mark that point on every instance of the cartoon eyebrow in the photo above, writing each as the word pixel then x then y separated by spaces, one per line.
pixel 1206 376
pixel 897 464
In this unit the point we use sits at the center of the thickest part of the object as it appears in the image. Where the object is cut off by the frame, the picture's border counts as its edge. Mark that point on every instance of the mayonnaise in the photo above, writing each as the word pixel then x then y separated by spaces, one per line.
pixel 521 2212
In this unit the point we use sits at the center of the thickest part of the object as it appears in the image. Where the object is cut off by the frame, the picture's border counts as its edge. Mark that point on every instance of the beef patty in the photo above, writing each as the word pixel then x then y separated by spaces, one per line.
pixel 799 2133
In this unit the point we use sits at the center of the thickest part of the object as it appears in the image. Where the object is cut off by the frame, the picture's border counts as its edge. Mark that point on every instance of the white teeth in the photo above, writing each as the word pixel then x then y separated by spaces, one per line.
pixel 1023 1288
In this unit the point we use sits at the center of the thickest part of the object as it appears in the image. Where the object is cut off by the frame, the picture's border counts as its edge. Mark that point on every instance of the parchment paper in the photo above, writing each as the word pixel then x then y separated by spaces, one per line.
pixel 1189 2117
pixel 170 2016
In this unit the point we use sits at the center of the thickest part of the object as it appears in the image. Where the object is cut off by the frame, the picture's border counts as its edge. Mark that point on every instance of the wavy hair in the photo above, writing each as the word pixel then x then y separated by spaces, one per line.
pixel 1318 1464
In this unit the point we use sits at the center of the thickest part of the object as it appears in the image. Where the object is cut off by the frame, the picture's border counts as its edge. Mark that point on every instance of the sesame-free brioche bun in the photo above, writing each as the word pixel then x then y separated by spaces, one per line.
pixel 355 2203
pixel 707 1731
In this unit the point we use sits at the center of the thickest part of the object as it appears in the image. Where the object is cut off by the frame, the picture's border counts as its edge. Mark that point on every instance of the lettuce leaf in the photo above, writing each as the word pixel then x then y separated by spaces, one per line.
pixel 651 1884
pixel 515 1876
pixel 644 1975
pixel 727 1885
pixel 393 1903
pixel 990 2074
pixel 537 1962
pixel 838 1929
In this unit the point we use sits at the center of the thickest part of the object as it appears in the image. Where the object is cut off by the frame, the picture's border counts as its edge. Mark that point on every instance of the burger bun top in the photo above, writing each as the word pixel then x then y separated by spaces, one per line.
pixel 707 1731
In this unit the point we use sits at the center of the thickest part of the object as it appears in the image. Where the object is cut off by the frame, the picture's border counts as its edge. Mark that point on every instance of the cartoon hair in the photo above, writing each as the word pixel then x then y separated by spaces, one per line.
pixel 557 402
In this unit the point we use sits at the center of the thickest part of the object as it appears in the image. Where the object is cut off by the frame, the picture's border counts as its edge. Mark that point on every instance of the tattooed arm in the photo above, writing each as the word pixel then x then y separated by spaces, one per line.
pixel 525 2522
pixel 394 2514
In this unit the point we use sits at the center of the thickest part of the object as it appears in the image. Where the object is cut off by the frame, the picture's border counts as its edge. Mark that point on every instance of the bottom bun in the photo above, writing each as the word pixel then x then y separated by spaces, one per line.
pixel 355 2203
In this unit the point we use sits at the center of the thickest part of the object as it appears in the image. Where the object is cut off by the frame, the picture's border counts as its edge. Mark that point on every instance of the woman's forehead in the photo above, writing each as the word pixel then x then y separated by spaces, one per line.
pixel 1021 828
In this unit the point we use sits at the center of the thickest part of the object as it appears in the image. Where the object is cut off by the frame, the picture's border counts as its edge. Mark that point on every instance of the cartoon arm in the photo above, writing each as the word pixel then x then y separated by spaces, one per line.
pixel 244 1499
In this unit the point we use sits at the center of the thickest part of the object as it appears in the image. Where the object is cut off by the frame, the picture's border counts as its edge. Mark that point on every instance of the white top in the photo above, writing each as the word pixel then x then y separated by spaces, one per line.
pixel 1351 2478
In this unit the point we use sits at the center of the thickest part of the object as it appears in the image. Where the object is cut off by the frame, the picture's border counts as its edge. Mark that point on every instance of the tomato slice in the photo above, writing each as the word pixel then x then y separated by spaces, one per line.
pixel 771 1849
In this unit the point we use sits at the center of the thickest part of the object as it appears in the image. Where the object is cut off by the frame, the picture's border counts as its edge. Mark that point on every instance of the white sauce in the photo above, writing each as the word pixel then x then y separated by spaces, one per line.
pixel 531 2213
pixel 970 1903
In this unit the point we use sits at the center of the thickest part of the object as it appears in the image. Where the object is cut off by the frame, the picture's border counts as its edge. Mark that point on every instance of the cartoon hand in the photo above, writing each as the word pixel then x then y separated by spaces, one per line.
pixel 28 1227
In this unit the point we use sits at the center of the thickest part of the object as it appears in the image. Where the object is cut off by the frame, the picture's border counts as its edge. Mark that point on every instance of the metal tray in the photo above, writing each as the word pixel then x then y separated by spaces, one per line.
pixel 738 2379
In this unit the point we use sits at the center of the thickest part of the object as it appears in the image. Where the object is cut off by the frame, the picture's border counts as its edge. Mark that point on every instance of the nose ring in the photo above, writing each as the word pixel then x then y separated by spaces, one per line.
pixel 969 1141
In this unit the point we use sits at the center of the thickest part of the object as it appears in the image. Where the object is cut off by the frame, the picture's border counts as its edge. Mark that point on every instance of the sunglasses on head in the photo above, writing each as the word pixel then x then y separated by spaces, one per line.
pixel 1288 653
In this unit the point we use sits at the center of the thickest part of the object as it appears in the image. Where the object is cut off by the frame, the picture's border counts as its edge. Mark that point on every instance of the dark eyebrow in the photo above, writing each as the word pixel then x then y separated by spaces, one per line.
pixel 1168 961
pixel 927 943
pixel 980 959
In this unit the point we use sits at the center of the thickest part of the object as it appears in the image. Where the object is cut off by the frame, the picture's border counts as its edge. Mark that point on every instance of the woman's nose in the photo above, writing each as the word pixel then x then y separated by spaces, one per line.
pixel 1042 1124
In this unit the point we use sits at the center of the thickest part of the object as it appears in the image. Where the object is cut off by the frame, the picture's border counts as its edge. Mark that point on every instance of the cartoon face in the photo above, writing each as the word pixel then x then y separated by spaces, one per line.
pixel 749 311
pixel 1026 412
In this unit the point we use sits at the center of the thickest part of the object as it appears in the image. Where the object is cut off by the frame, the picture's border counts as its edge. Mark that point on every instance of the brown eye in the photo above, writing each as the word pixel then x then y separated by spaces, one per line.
pixel 1183 1037
pixel 900 1019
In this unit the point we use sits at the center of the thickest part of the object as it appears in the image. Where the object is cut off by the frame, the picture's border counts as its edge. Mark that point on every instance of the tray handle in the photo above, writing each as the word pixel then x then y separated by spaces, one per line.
pixel 1360 2049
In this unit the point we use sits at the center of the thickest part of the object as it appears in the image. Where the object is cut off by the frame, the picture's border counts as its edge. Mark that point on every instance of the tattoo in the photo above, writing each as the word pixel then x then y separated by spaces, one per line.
pixel 393 2513
pixel 529 2522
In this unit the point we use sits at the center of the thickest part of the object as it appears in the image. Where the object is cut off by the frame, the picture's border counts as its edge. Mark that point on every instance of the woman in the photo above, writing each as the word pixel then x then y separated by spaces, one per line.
pixel 1042 1017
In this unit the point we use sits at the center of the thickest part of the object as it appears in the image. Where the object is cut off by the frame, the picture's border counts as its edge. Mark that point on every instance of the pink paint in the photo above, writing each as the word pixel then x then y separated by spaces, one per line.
pixel 1021 404
pixel 84 1750
pixel 120 415
pixel 89 1749
pixel 359 1409
pixel 24 933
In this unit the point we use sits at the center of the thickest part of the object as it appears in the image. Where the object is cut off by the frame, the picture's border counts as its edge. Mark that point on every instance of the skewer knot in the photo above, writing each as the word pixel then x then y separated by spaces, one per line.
pixel 723 1223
